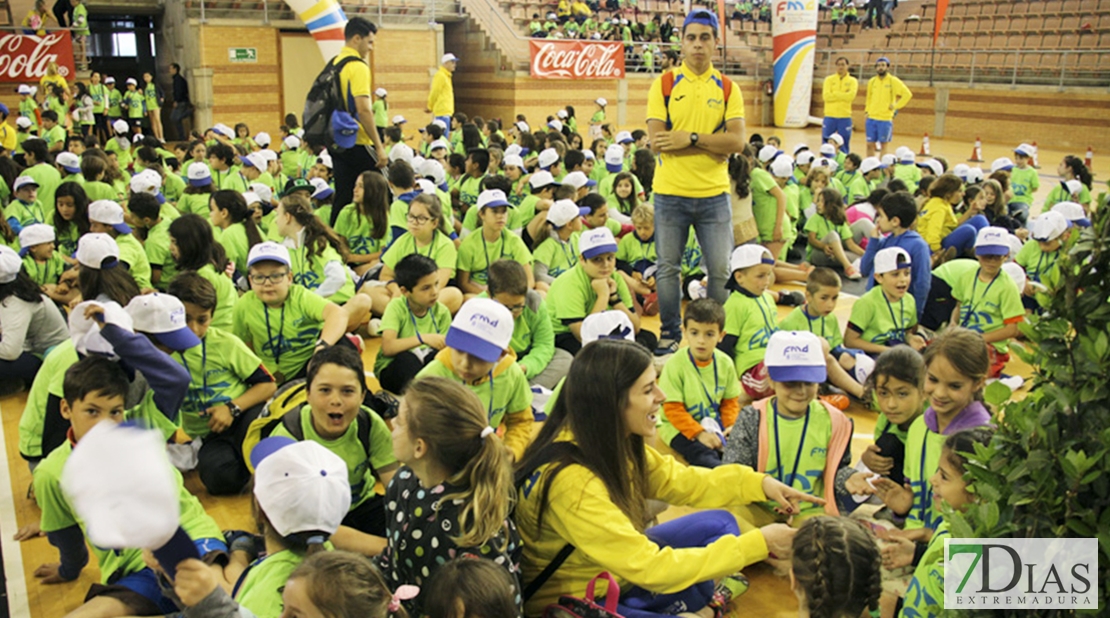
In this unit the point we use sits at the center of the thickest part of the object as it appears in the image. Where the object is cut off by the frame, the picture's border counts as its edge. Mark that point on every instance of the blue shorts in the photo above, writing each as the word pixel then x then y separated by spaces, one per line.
pixel 145 582
pixel 880 131
pixel 840 349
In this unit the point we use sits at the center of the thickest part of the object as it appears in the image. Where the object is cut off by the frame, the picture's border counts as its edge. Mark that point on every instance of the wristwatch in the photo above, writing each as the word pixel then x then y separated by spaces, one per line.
pixel 694 140
pixel 235 410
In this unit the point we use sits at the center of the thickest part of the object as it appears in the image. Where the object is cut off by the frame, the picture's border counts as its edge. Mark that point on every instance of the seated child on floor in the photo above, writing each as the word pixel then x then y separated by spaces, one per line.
pixel 896 384
pixel 533 338
pixel 637 259
pixel 413 327
pixel 750 318
pixel 886 315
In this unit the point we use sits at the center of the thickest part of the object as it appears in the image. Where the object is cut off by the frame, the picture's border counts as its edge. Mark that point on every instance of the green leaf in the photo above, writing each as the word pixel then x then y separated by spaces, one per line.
pixel 997 394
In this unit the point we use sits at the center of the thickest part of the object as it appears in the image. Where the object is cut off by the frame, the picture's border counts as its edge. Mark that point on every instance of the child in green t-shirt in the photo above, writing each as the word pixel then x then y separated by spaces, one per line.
pixel 490 243
pixel 557 251
pixel 282 322
pixel 897 382
pixel 291 157
pixel 134 102
pixel 885 316
pixel 830 238
pixel 412 327
pixel 1024 182
pixel 362 225
pixel 106 217
pixel 40 259
pixel 470 186
pixel 25 209
pixel 637 259
pixel 145 213
pixel 750 318
pixel 1040 255
pixel 425 236
pixel 53 132
pixel 988 301
pixel 598 217
pixel 533 339
pixel 531 213
pixel 479 355
pixel 194 249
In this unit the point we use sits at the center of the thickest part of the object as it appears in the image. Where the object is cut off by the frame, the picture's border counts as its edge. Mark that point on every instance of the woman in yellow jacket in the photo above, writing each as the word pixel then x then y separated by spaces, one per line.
pixel 938 223
pixel 584 486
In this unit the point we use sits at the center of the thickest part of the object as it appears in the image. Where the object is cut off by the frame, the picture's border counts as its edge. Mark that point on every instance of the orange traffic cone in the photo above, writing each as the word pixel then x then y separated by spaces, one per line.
pixel 925 146
pixel 1036 163
pixel 977 151
pixel 1090 156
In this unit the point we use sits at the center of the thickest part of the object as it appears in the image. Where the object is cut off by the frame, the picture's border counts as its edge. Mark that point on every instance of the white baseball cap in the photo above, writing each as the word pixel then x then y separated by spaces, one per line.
pixel 300 486
pixel 24 89
pixel 870 164
pixel 561 113
pixel 891 259
pixel 448 57
pixel 836 137
pixel 439 143
pixel 23 122
pixel 223 130
pixel 595 242
pixel 548 158
pixel 579 180
pixel 268 251
pixel 541 179
pixel 24 181
pixel 827 162
pixel 254 160
pixel 109 213
pixel 974 175
pixel 906 158
pixel 85 333
pixel 782 166
pixel 97 251
pixel 320 189
pixel 199 174
pixel 611 324
pixel 623 137
pixel 563 212
pixel 805 158
pixel 399 119
pixel 262 139
pixel 888 160
pixel 768 153
pixel 601 101
pixel 1072 186
pixel 439 123
pixel 614 158
pixel 163 316
pixel 124 489
pixel 827 150
pixel 146 181
pixel 1002 163
pixel 556 124
pixel 960 170
pixel 35 234
pixel 250 197
pixel 491 198
pixel 799 148
pixel 1025 150
pixel 1017 273
pixel 69 162
pixel 992 241
pixel 381 92
pixel 795 356
pixel 268 155
pixel 1015 245
pixel 401 152
pixel 292 142
pixel 325 160
pixel 746 256
pixel 109 80
pixel 432 168
pixel 265 194
pixel 1049 226
pixel 589 154
pixel 120 126
pixel 1072 211
pixel 10 264
pixel 522 127
pixel 513 160
pixel 482 327
pixel 933 165
pixel 426 186
pixel 131 81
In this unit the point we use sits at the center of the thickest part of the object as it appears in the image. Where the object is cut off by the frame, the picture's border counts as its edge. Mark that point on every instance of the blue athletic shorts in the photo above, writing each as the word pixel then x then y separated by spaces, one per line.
pixel 881 131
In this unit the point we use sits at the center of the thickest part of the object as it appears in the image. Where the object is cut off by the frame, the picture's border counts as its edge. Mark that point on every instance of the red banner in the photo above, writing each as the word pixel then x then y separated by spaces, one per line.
pixel 942 8
pixel 576 60
pixel 23 57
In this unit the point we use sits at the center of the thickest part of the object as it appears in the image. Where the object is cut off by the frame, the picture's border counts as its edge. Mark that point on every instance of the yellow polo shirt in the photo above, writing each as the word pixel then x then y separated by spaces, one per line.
pixel 441 100
pixel 838 94
pixel 7 136
pixel 881 93
pixel 354 79
pixel 697 105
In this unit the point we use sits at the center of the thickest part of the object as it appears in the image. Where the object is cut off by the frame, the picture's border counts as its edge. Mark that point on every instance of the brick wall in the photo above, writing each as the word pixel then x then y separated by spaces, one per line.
pixel 247 92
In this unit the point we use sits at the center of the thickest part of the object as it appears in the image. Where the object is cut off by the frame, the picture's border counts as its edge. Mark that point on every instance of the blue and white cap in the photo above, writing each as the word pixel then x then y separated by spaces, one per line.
pixel 491 198
pixel 1048 226
pixel 992 240
pixel 795 356
pixel 1025 150
pixel 482 327
pixel 1073 212
pixel 891 259
pixel 595 242
pixel 268 251
pixel 163 316
pixel 35 234
pixel 611 324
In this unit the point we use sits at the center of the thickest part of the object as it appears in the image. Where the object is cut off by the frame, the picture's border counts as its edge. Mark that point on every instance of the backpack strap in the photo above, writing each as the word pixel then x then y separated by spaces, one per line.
pixel 670 81
pixel 291 421
pixel 534 586
pixel 338 68
pixel 363 425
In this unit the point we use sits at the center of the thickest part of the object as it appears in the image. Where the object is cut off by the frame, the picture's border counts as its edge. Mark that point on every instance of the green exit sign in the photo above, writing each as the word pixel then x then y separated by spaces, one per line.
pixel 242 54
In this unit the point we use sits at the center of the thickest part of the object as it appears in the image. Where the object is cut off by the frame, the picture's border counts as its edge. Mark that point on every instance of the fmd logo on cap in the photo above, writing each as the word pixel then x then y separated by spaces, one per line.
pixel 483 327
pixel 795 356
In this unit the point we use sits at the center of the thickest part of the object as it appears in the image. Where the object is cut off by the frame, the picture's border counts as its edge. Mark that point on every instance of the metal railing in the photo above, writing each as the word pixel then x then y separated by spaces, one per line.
pixel 429 10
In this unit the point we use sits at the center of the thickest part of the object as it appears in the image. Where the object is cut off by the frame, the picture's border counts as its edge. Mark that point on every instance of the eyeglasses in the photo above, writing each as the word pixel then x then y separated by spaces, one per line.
pixel 264 279
pixel 419 220
pixel 515 308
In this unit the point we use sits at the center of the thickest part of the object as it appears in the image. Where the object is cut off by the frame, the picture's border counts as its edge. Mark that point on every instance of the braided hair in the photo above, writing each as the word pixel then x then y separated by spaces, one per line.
pixel 837 567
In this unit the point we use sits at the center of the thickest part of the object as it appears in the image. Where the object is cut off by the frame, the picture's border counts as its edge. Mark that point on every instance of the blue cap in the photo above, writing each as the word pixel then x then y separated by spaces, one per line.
pixel 267 447
pixel 704 17
pixel 883 59
pixel 4 109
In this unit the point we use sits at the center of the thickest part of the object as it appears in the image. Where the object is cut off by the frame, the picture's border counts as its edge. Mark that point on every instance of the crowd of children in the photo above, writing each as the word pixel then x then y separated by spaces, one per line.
pixel 215 293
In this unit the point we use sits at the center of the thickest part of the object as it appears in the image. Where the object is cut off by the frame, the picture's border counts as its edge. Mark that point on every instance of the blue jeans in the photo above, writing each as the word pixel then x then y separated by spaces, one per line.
pixel 963 237
pixel 841 126
pixel 447 121
pixel 712 221
pixel 695 530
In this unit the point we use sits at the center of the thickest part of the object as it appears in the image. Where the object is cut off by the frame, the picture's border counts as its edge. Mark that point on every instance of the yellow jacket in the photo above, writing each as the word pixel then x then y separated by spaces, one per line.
pixel 881 94
pixel 936 221
pixel 838 95
pixel 580 512
pixel 441 100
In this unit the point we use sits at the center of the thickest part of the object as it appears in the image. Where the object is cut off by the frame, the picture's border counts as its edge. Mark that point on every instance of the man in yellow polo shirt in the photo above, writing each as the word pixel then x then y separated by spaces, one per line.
pixel 886 94
pixel 441 100
pixel 693 131
pixel 7 131
pixel 354 79
pixel 839 91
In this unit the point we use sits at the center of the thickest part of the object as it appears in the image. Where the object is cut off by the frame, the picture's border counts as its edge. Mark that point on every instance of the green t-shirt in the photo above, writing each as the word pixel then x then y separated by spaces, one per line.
pixel 399 210
pixel 361 466
pixel 558 256
pixel 1039 266
pixel 290 163
pixel 469 189
pixel 441 250
pixel 158 252
pixel 401 320
pixel 987 307
pixel 821 226
pixel 218 368
pixel 923 448
pixel 883 322
pixel 476 254
pixel 533 340
pixel 827 327
pixel 884 426
pixel 309 271
pixel 48 178
pixel 507 393
pixel 55 135
pixel 123 155
pixel 25 214
pixel 856 187
pixel 226 297
pixel 1059 194
pixel 115 97
pixel 640 255
pixel 235 243
pixel 48 381
pixel 263 582
pixel 700 389
pixel 1024 182
pixel 764 205
pixel 173 188
pixel 572 298
pixel 283 337
pixel 27 107
pixel 925 595
pixel 359 231
pixel 58 514
pixel 231 180
pixel 134 101
pixel 909 174
pixel 132 253
pixel 66 242
pixel 784 437
pixel 752 320
pixel 691 256
pixel 98 92
pixel 97 190
pixel 46 272
pixel 381 114
pixel 520 216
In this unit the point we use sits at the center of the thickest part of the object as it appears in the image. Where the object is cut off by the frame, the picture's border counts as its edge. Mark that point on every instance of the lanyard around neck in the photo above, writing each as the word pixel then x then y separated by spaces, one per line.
pixel 412 318
pixel 971 301
pixel 801 445
pixel 716 382
pixel 900 322
pixel 281 332
pixel 203 373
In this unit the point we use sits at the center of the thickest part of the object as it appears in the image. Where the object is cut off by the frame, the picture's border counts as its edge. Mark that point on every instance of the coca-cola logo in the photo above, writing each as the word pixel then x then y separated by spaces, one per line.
pixel 24 57
pixel 577 60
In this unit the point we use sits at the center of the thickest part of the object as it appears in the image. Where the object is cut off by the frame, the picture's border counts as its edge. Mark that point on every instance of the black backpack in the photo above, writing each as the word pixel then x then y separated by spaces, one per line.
pixel 327 122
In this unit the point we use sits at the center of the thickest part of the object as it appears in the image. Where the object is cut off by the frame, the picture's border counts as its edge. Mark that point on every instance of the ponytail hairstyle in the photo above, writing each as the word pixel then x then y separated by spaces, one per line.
pixel 1079 169
pixel 740 172
pixel 237 209
pixel 6 231
pixel 342 583
pixel 483 587
pixel 643 166
pixel 317 236
pixel 450 420
pixel 196 247
pixel 833 204
pixel 965 350
pixel 837 567
pixel 375 204
pixel 115 282
pixel 625 205
pixel 945 185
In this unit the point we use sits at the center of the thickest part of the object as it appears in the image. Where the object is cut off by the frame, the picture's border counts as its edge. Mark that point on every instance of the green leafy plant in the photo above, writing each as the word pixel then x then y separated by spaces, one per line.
pixel 1046 473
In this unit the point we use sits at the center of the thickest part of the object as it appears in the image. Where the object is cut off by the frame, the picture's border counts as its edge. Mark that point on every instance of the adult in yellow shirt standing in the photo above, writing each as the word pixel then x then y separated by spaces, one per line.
pixel 695 121
pixel 441 100
pixel 354 80
pixel 886 94
pixel 838 92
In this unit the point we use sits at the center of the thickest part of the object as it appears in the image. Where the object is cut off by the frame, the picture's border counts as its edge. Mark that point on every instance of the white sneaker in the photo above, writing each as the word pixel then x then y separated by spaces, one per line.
pixel 373 328
pixel 864 366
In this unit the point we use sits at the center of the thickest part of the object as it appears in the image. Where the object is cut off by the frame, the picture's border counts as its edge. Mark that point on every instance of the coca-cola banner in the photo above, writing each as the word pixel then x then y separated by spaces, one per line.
pixel 23 57
pixel 577 60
